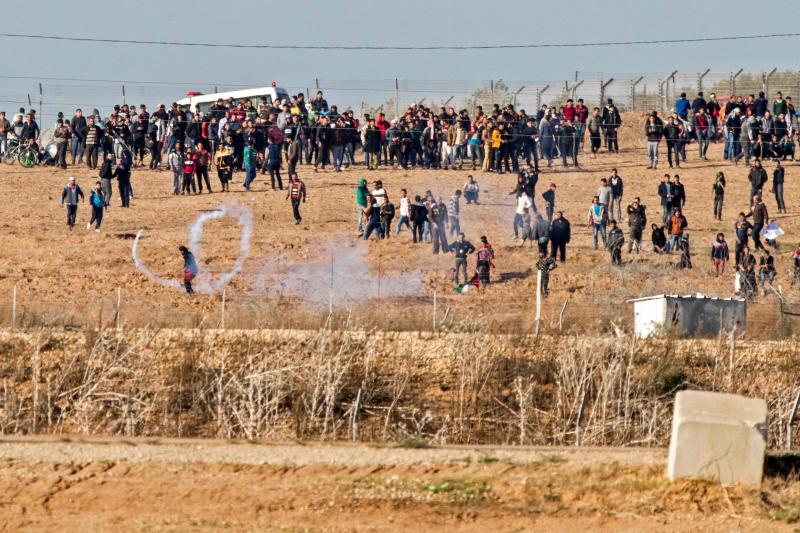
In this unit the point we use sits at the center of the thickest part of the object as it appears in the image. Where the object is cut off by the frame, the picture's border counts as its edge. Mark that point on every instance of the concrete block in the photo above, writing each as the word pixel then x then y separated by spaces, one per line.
pixel 716 436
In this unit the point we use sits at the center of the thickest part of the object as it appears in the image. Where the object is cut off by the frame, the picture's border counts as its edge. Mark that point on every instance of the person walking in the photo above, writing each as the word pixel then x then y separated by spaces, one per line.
pixel 719 194
pixel 777 186
pixel 405 212
pixel 757 178
pixel 560 235
pixel 106 175
pixel 297 194
pixel 453 213
pixel 202 158
pixel 545 265
pixel 98 204
pixel 595 126
pixel 362 193
pixel 70 197
pixel 760 218
pixel 598 218
pixel 615 241
pixel 719 254
pixel 437 216
pixel 273 157
pixel 615 182
pixel 123 175
pixel 461 248
pixel 653 131
pixel 190 268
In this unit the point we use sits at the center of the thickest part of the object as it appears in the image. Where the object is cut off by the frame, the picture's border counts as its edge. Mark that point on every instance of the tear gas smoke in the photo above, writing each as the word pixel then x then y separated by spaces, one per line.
pixel 204 283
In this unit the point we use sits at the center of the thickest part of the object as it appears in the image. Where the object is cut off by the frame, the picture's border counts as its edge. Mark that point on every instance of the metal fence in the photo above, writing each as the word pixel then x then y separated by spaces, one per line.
pixel 630 91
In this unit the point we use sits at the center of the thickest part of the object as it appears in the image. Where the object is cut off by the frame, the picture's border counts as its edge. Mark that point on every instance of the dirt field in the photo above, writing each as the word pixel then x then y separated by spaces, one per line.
pixel 145 485
pixel 65 277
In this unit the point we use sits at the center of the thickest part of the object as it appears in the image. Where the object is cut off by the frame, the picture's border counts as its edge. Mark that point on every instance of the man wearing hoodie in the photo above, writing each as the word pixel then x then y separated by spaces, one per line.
pixel 70 196
pixel 362 192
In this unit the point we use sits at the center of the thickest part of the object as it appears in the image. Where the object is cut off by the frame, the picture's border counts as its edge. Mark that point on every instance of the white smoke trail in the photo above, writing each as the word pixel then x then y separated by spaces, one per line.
pixel 204 283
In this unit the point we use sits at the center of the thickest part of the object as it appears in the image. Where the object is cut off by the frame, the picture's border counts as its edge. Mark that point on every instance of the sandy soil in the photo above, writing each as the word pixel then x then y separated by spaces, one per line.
pixel 71 277
pixel 146 485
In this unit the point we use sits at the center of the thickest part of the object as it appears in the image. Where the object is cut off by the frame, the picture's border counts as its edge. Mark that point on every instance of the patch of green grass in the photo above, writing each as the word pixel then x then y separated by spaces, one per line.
pixel 458 490
pixel 414 443
pixel 487 459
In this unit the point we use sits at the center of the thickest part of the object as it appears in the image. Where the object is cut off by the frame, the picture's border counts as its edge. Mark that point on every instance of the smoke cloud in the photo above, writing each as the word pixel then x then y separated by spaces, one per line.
pixel 341 274
pixel 204 282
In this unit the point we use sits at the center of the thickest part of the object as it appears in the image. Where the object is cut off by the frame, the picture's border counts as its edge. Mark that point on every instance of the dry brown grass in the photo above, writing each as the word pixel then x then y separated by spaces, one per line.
pixel 446 388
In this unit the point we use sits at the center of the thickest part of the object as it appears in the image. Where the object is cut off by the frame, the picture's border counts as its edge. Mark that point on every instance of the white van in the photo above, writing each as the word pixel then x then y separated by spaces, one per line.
pixel 202 102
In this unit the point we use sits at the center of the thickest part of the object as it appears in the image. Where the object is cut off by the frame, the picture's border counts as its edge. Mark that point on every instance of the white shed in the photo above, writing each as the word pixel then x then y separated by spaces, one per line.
pixel 694 315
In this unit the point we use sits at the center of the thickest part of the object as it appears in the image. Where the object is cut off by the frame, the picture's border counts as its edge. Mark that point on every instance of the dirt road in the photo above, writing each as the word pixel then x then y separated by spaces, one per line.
pixel 147 485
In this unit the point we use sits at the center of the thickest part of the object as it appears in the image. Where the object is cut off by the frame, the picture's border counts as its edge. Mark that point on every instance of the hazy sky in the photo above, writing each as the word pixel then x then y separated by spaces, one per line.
pixel 361 22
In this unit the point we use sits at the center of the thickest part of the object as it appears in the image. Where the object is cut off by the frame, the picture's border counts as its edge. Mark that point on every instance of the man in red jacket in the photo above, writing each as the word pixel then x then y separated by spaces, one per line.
pixel 383 125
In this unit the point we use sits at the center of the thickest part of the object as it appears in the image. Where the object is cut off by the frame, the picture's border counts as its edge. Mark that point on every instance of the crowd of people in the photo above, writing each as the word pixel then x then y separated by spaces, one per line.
pixel 267 137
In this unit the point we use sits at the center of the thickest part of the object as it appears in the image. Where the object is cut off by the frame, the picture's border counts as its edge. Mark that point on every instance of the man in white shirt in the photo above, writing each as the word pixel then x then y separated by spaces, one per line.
pixel 404 211
pixel 523 203
pixel 379 193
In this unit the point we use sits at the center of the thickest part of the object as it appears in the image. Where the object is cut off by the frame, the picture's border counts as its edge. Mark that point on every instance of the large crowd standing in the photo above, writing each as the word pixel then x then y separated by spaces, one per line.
pixel 268 137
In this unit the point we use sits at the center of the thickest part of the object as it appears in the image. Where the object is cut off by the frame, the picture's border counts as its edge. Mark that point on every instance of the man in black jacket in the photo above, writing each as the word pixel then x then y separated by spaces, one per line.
pixel 560 235
pixel 461 248
pixel 528 135
pixel 419 214
pixel 611 121
pixel 679 194
pixel 78 126
pixel 666 193
pixel 637 221
pixel 757 178
pixel 777 186
pixel 672 133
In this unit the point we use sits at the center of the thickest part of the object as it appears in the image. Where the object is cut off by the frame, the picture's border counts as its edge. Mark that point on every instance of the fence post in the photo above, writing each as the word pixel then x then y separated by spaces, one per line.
pixel 517 94
pixel 491 88
pixel 396 98
pixel 700 79
pixel 119 305
pixel 634 83
pixel 789 423
pixel 539 94
pixel 670 77
pixel 434 311
pixel 603 90
pixel 733 80
pixel 538 300
pixel 575 87
pixel 14 307
pixel 316 82
pixel 123 95
pixel 767 76
pixel 222 318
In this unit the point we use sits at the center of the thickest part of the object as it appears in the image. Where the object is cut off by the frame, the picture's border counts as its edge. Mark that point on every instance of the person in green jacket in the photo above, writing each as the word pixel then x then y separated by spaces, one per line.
pixel 362 192
pixel 249 164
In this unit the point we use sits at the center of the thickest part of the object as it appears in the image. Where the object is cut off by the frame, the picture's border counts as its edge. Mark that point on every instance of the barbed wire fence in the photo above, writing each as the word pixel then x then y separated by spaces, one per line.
pixel 629 91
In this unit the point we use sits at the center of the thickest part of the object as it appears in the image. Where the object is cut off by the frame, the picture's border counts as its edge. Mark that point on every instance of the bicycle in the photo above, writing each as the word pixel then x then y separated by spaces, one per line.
pixel 24 153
